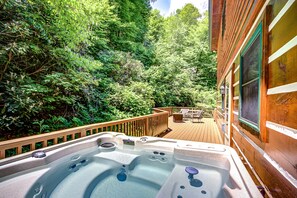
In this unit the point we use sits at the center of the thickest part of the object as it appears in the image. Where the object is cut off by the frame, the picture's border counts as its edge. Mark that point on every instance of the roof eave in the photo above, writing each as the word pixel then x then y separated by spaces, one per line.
pixel 215 15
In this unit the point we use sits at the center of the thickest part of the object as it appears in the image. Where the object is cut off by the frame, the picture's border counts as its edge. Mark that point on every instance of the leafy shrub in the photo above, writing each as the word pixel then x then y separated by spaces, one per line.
pixel 132 100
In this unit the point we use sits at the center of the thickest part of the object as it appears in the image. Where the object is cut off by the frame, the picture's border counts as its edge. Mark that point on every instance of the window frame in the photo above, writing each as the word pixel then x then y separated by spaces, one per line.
pixel 257 32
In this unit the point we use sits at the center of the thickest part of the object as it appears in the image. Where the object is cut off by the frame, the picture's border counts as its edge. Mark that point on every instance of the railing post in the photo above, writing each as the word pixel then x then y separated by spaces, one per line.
pixel 146 126
pixel 44 143
pixel 32 146
pixel 2 154
pixel 83 133
pixel 167 121
pixel 19 149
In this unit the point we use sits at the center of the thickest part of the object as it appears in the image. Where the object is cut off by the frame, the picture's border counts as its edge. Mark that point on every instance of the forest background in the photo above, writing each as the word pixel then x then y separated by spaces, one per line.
pixel 67 63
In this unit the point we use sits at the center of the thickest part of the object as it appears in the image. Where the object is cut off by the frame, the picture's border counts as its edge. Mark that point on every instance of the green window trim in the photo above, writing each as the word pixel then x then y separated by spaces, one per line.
pixel 256 34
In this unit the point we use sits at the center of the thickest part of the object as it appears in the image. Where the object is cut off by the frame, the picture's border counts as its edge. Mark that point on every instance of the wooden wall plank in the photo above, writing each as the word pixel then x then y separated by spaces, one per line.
pixel 277 6
pixel 231 105
pixel 236 76
pixel 277 184
pixel 283 149
pixel 243 16
pixel 232 16
pixel 279 187
pixel 283 70
pixel 236 90
pixel 264 75
pixel 238 10
pixel 235 120
pixel 281 34
pixel 282 109
pixel 235 102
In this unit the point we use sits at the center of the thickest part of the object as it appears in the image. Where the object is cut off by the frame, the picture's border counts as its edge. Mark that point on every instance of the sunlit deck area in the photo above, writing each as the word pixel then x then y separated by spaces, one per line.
pixel 205 131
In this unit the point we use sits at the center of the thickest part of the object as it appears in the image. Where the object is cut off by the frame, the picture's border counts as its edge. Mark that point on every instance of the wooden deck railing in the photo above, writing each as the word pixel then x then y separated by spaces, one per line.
pixel 208 112
pixel 168 109
pixel 149 125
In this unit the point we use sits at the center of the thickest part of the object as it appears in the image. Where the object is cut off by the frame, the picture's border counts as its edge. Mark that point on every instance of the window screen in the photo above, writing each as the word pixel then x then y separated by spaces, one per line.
pixel 250 63
pixel 249 109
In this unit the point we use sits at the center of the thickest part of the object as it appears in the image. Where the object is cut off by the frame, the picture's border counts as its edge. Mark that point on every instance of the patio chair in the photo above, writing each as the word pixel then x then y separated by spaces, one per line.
pixel 186 114
pixel 197 115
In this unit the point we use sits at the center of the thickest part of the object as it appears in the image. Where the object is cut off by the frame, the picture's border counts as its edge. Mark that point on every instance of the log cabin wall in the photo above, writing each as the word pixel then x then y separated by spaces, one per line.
pixel 271 149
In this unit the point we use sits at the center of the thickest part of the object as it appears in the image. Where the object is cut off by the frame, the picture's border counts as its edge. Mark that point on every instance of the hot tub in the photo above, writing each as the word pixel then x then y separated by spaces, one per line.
pixel 115 165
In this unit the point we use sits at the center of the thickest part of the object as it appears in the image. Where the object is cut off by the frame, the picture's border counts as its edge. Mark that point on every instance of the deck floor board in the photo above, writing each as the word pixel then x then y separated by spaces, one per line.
pixel 206 131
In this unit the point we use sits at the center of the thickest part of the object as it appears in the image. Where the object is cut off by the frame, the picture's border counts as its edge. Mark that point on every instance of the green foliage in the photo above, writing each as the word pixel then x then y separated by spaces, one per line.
pixel 54 73
pixel 185 70
pixel 188 15
pixel 129 69
pixel 134 100
pixel 156 26
pixel 42 127
pixel 74 20
pixel 67 63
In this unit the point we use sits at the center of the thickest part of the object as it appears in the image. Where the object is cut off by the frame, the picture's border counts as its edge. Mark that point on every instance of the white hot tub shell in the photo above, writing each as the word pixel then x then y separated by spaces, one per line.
pixel 220 172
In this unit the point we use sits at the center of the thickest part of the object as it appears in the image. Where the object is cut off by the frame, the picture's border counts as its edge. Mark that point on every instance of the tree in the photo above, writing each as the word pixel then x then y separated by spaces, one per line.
pixel 200 59
pixel 74 62
pixel 184 66
pixel 54 73
pixel 156 26
pixel 189 15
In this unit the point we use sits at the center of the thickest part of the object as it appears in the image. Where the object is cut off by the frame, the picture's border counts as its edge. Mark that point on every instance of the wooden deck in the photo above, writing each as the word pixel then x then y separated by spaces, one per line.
pixel 206 131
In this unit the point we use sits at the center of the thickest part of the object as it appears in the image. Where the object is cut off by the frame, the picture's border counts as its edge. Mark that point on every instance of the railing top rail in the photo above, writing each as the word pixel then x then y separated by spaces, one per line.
pixel 192 108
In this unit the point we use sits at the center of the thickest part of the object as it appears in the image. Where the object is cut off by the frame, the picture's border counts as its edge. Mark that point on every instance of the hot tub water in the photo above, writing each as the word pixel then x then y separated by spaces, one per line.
pixel 99 178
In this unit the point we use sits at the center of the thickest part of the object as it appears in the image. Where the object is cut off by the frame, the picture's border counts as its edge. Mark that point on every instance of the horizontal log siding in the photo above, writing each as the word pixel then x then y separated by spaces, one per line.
pixel 284 30
pixel 283 70
pixel 240 16
pixel 273 149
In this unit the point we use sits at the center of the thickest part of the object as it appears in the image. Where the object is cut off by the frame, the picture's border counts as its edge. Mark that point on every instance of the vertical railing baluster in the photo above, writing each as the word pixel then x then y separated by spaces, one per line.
pixel 146 126
pixel 133 126
pixel 83 133
pixel 32 146
pixel 2 154
pixel 19 149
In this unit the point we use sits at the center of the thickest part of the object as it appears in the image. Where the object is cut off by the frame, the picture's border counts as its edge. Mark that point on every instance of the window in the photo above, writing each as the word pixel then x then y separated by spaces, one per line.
pixel 251 60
